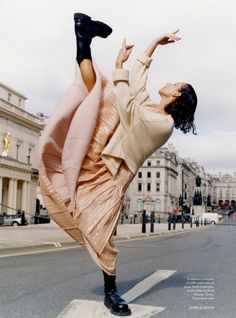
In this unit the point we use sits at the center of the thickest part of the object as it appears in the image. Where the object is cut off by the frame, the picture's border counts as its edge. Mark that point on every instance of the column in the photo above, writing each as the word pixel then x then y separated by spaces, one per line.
pixel 10 197
pixel 24 196
pixel 1 180
pixel 14 194
pixel 28 197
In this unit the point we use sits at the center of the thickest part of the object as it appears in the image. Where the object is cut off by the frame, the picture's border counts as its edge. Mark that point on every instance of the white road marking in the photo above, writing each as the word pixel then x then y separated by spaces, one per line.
pixel 147 284
pixel 94 309
pixel 80 308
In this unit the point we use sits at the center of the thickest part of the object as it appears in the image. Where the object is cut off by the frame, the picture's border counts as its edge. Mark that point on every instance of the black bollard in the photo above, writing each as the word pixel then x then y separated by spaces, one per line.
pixel 144 221
pixel 174 221
pixel 169 222
pixel 205 222
pixel 197 222
pixel 191 222
pixel 152 222
pixel 182 223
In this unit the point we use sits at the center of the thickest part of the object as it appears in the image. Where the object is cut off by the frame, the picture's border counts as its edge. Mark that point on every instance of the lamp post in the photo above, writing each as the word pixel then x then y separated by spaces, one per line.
pixel 143 185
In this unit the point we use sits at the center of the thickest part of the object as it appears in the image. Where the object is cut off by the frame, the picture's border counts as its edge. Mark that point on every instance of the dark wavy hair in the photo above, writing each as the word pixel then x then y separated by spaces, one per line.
pixel 183 108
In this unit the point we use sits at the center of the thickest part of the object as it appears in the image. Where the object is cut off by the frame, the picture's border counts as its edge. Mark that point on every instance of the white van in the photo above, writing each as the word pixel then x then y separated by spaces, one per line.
pixel 212 218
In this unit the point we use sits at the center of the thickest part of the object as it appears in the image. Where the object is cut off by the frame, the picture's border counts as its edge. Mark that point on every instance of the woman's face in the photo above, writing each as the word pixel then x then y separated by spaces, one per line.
pixel 171 89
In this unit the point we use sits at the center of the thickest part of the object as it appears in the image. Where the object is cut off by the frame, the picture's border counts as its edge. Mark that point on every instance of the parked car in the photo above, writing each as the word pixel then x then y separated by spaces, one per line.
pixel 12 220
pixel 211 218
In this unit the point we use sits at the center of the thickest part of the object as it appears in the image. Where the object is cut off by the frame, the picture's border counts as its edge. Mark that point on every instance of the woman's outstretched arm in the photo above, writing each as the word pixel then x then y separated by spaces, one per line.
pixel 139 73
pixel 121 86
pixel 162 40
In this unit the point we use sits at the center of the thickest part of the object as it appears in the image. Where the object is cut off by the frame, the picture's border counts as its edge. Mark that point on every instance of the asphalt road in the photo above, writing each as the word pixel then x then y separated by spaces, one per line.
pixel 41 285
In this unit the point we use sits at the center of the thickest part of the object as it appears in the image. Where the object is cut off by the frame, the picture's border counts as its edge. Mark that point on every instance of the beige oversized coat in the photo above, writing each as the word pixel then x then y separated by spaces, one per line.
pixel 141 131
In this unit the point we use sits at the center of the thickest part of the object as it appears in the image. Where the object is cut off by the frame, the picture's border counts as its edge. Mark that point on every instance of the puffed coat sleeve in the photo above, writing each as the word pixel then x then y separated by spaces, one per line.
pixel 124 101
pixel 138 79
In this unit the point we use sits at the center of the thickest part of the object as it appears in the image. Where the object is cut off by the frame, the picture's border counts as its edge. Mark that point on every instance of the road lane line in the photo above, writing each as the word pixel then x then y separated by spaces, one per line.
pixel 146 284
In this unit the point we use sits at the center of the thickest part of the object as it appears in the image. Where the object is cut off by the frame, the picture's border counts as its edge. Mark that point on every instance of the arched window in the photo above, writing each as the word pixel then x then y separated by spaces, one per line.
pixel 157 205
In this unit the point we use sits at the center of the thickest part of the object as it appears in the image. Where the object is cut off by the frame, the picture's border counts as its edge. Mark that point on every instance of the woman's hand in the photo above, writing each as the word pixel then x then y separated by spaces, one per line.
pixel 162 40
pixel 168 38
pixel 123 54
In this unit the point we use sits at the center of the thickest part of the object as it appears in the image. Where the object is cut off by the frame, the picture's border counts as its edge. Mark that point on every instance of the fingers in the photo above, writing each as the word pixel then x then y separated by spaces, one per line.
pixel 176 31
pixel 126 46
pixel 175 37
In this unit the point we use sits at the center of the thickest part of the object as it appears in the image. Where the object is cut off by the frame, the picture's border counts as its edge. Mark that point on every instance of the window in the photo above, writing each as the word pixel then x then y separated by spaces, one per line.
pixel 149 163
pixel 157 186
pixel 139 205
pixel 17 151
pixel 28 157
pixel 157 205
pixel 140 174
pixel 139 186
pixel 149 174
pixel 158 174
pixel 158 162
pixel 148 186
pixel 9 97
pixel 19 102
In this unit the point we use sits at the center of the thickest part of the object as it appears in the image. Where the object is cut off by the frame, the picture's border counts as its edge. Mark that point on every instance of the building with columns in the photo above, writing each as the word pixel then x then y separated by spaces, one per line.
pixel 224 187
pixel 19 135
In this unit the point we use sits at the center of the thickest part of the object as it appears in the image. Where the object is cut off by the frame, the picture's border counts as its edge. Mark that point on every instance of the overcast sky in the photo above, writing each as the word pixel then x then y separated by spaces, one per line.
pixel 38 56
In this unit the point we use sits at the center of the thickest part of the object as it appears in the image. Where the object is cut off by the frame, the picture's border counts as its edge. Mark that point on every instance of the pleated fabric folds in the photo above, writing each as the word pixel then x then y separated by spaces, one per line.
pixel 78 190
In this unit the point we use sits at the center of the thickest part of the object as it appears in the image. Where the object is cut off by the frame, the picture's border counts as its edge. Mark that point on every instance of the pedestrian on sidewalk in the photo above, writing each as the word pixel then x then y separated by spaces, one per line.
pixel 90 149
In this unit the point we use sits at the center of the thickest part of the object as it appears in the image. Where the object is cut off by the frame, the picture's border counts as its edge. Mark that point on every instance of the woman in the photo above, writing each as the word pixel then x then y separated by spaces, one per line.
pixel 90 149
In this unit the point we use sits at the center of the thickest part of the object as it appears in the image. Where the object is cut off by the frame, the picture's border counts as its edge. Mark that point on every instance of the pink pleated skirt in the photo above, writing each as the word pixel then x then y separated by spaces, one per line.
pixel 99 195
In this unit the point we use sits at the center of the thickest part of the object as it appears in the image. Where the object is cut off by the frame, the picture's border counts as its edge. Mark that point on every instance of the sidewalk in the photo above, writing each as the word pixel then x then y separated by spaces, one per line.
pixel 46 236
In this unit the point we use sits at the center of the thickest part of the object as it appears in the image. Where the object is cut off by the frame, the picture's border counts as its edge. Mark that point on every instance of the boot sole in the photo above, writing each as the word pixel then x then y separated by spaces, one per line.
pixel 116 313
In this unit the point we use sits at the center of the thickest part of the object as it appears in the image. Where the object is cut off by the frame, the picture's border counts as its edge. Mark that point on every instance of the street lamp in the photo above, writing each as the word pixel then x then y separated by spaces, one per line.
pixel 143 184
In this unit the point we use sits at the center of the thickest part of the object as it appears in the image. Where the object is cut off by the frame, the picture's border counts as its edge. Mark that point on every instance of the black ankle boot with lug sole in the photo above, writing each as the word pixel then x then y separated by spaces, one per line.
pixel 85 27
pixel 113 300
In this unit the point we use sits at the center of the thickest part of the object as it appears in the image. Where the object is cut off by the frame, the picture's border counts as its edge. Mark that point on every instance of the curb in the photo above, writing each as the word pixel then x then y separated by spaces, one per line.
pixel 63 245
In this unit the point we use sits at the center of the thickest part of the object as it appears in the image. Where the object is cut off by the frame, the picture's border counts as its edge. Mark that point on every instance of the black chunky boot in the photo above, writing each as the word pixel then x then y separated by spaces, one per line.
pixel 85 30
pixel 85 27
pixel 112 300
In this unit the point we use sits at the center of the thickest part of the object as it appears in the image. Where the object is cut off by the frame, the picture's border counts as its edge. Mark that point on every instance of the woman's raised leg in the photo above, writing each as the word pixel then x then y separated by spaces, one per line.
pixel 88 73
pixel 85 30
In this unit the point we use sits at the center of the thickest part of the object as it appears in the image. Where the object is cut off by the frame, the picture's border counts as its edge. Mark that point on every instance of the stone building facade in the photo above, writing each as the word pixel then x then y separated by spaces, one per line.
pixel 154 186
pixel 19 135
pixel 224 187
pixel 160 182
